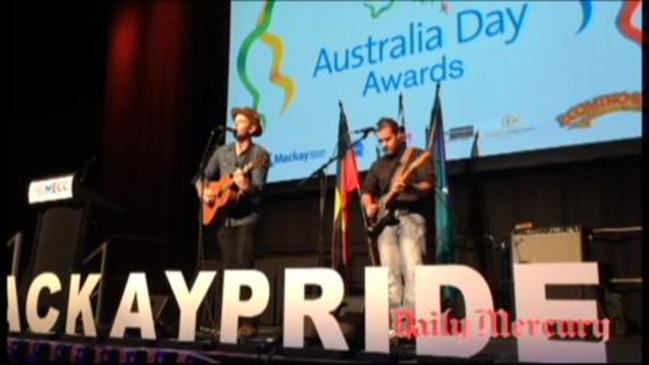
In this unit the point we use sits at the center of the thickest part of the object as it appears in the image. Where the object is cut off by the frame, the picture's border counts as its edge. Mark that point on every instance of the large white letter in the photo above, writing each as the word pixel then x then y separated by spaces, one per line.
pixel 136 290
pixel 428 284
pixel 189 300
pixel 13 316
pixel 79 303
pixel 233 307
pixel 530 281
pixel 296 307
pixel 376 310
pixel 42 324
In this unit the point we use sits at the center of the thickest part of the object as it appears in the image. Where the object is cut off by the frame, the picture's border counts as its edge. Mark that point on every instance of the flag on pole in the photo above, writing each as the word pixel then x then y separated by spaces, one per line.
pixel 347 184
pixel 444 221
pixel 475 150
pixel 402 118
pixel 402 115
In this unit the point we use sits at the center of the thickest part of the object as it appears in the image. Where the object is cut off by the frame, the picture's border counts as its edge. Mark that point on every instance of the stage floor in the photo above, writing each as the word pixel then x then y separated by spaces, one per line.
pixel 264 348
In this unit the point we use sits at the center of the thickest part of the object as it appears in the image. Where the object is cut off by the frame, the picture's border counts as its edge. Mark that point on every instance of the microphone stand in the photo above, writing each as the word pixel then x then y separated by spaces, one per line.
pixel 320 173
pixel 201 239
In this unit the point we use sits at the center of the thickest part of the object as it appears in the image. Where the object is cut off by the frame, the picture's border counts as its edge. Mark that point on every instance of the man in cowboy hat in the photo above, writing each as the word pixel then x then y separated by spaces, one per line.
pixel 236 232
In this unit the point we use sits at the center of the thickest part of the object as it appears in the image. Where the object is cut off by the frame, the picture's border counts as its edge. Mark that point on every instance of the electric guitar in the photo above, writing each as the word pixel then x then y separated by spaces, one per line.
pixel 225 191
pixel 385 216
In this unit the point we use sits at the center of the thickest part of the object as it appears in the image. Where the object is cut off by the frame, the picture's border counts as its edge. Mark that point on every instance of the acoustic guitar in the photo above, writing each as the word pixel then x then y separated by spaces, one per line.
pixel 225 191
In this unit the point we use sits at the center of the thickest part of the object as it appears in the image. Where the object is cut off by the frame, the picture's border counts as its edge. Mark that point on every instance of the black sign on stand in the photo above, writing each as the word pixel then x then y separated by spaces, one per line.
pixel 71 219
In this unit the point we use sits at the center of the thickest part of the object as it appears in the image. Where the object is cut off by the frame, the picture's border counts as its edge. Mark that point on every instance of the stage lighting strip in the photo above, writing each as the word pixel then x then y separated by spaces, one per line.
pixel 183 355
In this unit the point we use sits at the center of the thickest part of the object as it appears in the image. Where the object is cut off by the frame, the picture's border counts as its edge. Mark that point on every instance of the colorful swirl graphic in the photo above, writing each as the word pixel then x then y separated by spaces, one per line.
pixel 377 11
pixel 276 75
pixel 625 21
pixel 587 10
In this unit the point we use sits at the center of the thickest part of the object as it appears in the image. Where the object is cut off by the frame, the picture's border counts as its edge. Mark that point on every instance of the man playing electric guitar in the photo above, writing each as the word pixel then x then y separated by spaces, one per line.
pixel 402 243
pixel 236 232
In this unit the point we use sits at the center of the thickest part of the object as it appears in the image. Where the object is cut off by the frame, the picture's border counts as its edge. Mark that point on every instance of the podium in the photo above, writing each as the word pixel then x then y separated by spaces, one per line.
pixel 71 220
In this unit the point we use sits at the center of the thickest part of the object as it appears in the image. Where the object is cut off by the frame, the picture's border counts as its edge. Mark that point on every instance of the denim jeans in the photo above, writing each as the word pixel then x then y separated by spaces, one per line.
pixel 401 248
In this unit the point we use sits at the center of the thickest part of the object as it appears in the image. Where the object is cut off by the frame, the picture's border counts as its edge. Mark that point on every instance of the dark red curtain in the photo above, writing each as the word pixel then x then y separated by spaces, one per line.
pixel 146 114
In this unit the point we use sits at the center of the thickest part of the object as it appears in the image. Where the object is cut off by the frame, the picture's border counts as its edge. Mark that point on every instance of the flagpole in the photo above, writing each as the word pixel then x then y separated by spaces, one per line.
pixel 433 128
pixel 402 114
pixel 320 172
pixel 358 191
pixel 375 260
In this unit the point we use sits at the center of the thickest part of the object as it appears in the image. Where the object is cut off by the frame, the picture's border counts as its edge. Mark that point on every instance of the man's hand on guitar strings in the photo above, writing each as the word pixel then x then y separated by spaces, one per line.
pixel 399 186
pixel 241 180
pixel 371 209
pixel 208 196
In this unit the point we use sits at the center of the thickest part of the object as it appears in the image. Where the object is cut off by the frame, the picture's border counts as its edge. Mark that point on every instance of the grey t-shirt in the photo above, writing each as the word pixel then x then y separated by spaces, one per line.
pixel 224 161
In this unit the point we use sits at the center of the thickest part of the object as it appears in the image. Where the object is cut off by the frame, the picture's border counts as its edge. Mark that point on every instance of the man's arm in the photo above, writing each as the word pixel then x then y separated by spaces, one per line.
pixel 425 182
pixel 369 204
pixel 370 192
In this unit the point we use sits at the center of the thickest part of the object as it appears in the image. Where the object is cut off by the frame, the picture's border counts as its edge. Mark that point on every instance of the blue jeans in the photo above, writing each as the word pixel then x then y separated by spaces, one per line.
pixel 401 248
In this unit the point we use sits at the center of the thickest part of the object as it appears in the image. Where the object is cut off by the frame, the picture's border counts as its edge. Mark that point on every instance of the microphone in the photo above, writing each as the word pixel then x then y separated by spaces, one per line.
pixel 365 130
pixel 86 167
pixel 225 128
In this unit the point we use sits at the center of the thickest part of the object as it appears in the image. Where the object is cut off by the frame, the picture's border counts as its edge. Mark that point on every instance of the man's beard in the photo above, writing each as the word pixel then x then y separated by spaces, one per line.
pixel 387 152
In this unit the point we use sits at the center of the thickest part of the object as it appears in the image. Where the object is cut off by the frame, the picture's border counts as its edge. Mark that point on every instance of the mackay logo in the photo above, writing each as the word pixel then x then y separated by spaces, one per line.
pixel 585 114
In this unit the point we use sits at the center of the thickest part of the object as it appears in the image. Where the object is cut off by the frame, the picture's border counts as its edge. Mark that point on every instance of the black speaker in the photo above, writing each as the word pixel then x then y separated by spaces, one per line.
pixel 60 231
pixel 58 244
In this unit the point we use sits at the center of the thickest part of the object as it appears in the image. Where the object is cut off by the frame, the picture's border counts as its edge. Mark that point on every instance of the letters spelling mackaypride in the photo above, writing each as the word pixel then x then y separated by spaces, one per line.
pixel 529 284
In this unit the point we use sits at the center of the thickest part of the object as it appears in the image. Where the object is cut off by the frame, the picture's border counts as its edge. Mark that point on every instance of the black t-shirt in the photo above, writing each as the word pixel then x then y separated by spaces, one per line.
pixel 379 178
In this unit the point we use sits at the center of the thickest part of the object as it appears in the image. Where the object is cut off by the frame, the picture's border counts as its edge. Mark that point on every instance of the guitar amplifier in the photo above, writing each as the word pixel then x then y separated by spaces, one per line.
pixel 552 244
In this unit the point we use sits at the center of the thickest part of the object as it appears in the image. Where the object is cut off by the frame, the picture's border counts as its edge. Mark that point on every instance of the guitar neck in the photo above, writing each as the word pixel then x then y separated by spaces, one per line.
pixel 247 167
pixel 407 175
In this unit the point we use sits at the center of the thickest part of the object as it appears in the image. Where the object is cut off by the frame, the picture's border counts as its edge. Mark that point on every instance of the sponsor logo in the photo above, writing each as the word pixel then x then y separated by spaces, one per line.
pixel 57 187
pixel 305 156
pixel 510 121
pixel 298 156
pixel 510 125
pixel 463 132
pixel 584 115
